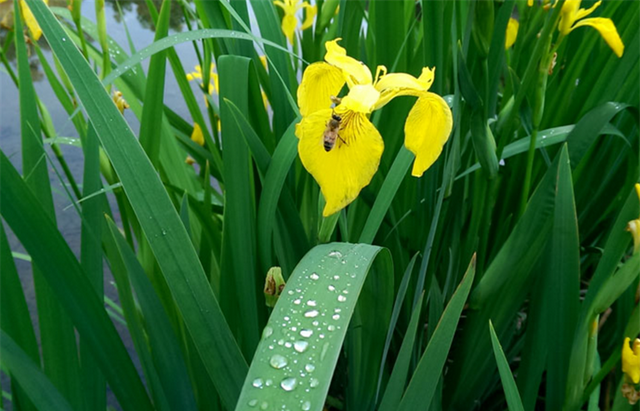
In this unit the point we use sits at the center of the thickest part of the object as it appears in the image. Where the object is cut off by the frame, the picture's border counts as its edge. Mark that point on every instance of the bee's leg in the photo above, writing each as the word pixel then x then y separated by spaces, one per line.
pixel 341 139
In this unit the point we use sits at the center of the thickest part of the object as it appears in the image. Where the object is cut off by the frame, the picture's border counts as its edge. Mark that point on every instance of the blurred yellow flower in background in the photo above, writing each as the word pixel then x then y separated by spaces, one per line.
pixel 571 13
pixel 631 359
pixel 29 19
pixel 290 21
pixel 512 33
pixel 339 146
pixel 634 227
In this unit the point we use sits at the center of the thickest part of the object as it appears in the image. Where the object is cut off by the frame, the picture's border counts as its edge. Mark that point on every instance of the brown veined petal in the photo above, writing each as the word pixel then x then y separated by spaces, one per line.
pixel 319 82
pixel 426 130
pixel 607 30
pixel 356 72
pixel 343 171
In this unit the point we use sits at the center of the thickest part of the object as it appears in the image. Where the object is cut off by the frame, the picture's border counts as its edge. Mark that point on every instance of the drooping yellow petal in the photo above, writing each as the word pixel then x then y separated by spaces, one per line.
pixel 289 23
pixel 361 99
pixel 319 82
pixel 607 30
pixel 349 166
pixel 426 130
pixel 355 71
pixel 512 33
pixel 631 359
pixel 568 15
pixel 197 136
pixel 402 84
pixel 310 16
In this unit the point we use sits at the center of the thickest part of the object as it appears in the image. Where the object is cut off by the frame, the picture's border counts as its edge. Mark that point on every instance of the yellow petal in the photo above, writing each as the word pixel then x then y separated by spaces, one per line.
pixel 529 3
pixel 633 227
pixel 568 15
pixel 607 30
pixel 638 190
pixel 361 99
pixel 289 23
pixel 402 84
pixel 263 60
pixel 319 82
pixel 427 130
pixel 631 360
pixel 355 71
pixel 197 135
pixel 512 33
pixel 30 21
pixel 349 166
pixel 310 16
pixel 582 13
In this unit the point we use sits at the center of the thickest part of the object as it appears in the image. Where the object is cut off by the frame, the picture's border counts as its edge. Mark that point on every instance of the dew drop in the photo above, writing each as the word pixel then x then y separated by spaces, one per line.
pixel 306 406
pixel 311 303
pixel 311 313
pixel 337 310
pixel 335 254
pixel 342 298
pixel 331 288
pixel 314 276
pixel 266 333
pixel 309 367
pixel 336 316
pixel 264 406
pixel 306 333
pixel 297 301
pixel 252 403
pixel 277 361
pixel 290 292
pixel 315 323
pixel 325 348
pixel 287 344
pixel 288 384
pixel 257 383
pixel 64 39
pixel 313 382
pixel 286 318
pixel 336 277
pixel 331 327
pixel 269 382
pixel 300 346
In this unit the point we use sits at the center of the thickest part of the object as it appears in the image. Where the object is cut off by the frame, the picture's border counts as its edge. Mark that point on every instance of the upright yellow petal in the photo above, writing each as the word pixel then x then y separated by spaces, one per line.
pixel 607 30
pixel 582 13
pixel 638 190
pixel 512 33
pixel 319 82
pixel 568 15
pixel 530 3
pixel 349 166
pixel 310 16
pixel 631 360
pixel 356 72
pixel 289 23
pixel 361 99
pixel 401 84
pixel 426 130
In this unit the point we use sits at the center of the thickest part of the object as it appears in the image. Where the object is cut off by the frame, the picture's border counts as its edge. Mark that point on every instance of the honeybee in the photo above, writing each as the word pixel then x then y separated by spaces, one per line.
pixel 331 132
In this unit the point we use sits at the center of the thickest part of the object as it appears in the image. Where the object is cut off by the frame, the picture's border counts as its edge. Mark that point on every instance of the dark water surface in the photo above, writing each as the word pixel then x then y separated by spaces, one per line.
pixel 138 21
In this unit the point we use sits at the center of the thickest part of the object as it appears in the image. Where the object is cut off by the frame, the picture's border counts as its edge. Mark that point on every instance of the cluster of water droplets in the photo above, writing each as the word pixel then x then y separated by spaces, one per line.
pixel 298 341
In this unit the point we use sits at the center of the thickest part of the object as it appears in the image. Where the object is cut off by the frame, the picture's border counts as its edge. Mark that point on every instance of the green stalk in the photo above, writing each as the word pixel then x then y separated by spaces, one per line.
pixel 76 14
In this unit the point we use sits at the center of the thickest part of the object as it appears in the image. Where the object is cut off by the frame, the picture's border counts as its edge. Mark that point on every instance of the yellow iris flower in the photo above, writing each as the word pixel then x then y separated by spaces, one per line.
pixel 512 33
pixel 631 359
pixel 290 21
pixel 213 78
pixel 634 227
pixel 29 19
pixel 571 13
pixel 350 164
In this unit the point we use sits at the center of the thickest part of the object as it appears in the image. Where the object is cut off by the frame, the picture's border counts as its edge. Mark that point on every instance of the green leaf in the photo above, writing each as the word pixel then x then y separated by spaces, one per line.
pixel 427 375
pixel 508 383
pixel 70 285
pixel 40 390
pixel 158 218
pixel 300 345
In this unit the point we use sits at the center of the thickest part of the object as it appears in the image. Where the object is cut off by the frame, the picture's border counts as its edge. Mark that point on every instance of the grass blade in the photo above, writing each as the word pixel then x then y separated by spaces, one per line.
pixel 508 383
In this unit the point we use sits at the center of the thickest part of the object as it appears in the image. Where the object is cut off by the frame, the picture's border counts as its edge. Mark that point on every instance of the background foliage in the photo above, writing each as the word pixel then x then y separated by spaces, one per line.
pixel 437 259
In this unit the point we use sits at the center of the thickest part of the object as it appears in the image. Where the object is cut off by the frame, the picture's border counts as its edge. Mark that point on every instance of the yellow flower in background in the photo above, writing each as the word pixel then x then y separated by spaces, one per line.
pixel 634 227
pixel 119 101
pixel 290 21
pixel 213 78
pixel 571 13
pixel 339 146
pixel 29 19
pixel 631 359
pixel 197 137
pixel 512 33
